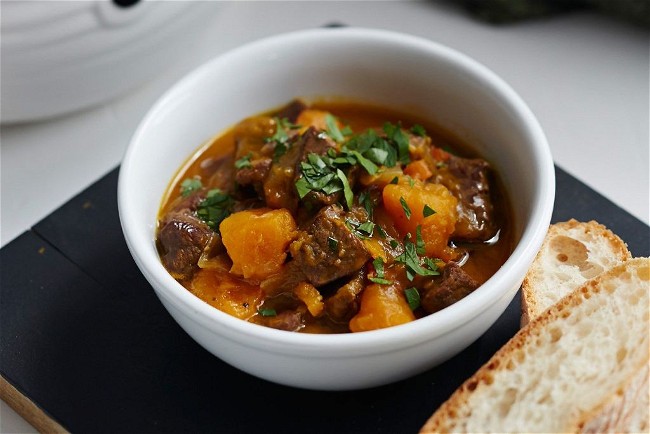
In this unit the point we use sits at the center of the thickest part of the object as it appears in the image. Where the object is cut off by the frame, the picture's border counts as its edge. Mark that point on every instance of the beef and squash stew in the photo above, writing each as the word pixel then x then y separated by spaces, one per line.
pixel 333 217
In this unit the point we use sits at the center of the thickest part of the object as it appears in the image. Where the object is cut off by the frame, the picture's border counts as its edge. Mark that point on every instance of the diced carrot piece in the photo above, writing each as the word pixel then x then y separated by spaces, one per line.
pixel 257 240
pixel 312 298
pixel 227 293
pixel 418 169
pixel 382 178
pixel 381 306
pixel 436 228
pixel 439 154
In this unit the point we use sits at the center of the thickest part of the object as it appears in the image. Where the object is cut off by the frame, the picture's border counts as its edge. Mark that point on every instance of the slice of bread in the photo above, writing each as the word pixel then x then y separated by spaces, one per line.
pixel 572 253
pixel 580 366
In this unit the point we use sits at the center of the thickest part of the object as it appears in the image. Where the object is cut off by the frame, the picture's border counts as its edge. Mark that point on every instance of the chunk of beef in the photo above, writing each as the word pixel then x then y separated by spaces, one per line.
pixel 468 181
pixel 182 237
pixel 279 186
pixel 292 110
pixel 315 142
pixel 220 173
pixel 344 304
pixel 328 250
pixel 448 288
pixel 289 320
pixel 254 174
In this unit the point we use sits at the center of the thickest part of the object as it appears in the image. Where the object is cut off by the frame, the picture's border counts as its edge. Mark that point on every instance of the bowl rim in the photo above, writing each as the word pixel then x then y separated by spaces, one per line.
pixel 346 344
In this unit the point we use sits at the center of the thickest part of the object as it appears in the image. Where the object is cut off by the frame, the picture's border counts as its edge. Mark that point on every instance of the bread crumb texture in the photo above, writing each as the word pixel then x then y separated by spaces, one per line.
pixel 559 373
pixel 572 253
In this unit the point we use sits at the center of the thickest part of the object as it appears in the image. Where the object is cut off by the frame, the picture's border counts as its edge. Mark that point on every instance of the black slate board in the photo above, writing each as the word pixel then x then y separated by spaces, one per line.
pixel 83 336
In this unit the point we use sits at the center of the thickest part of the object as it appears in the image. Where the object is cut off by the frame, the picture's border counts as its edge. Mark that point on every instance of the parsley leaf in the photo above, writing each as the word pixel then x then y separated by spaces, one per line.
pixel 267 312
pixel 366 201
pixel 414 265
pixel 216 206
pixel 332 128
pixel 281 136
pixel 190 185
pixel 412 297
pixel 333 244
pixel 427 211
pixel 347 191
pixel 378 264
pixel 419 242
pixel 418 130
pixel 405 207
pixel 361 230
pixel 244 161
pixel 398 137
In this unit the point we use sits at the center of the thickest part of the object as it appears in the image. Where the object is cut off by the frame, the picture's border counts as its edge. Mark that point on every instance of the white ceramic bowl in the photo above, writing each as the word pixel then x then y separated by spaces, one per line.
pixel 58 57
pixel 382 67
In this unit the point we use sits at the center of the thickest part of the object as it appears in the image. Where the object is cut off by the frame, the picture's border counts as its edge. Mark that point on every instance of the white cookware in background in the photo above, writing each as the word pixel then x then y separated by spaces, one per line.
pixel 62 56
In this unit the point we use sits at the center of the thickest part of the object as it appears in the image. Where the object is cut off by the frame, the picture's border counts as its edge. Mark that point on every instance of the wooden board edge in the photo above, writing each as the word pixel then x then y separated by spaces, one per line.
pixel 28 410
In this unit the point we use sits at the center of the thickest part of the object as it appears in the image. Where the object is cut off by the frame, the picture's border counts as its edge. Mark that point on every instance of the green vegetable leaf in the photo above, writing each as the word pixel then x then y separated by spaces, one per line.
pixel 362 230
pixel 216 206
pixel 380 280
pixel 399 138
pixel 244 161
pixel 378 263
pixel 190 185
pixel 412 297
pixel 405 207
pixel 332 128
pixel 419 242
pixel 281 136
pixel 267 312
pixel 366 201
pixel 333 244
pixel 347 191
pixel 418 130
pixel 379 277
pixel 428 211
pixel 414 264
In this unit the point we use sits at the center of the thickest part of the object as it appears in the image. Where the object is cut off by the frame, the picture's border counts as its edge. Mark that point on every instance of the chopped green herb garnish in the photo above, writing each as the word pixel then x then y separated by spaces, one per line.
pixel 412 297
pixel 244 161
pixel 333 244
pixel 378 263
pixel 332 128
pixel 380 280
pixel 414 264
pixel 366 202
pixel 393 244
pixel 382 232
pixel 267 312
pixel 427 211
pixel 396 135
pixel 405 207
pixel 394 180
pixel 418 130
pixel 419 242
pixel 281 136
pixel 379 277
pixel 216 206
pixel 411 182
pixel 347 190
pixel 362 230
pixel 190 185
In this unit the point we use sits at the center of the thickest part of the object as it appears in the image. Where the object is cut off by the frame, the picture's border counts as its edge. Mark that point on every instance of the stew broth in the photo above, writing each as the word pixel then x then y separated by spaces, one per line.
pixel 293 288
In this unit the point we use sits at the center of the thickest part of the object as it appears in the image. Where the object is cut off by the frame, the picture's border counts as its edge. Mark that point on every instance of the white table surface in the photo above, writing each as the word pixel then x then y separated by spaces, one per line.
pixel 586 77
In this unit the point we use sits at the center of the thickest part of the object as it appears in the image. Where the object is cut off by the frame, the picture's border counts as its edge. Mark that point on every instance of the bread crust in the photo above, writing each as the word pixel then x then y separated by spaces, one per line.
pixel 572 253
pixel 597 293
